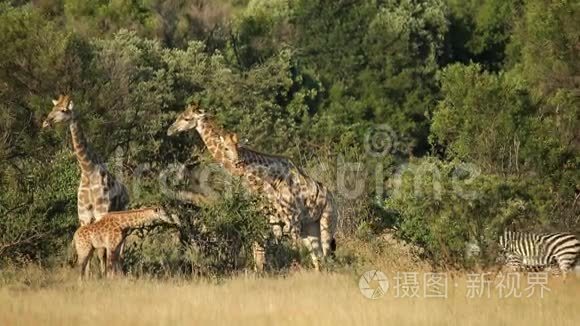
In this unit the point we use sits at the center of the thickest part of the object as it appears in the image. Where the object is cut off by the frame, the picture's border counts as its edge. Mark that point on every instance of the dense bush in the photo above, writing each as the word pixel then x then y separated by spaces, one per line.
pixel 447 207
pixel 480 95
pixel 214 239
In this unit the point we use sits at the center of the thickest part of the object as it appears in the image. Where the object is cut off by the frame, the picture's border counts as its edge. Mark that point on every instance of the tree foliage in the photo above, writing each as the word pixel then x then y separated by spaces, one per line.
pixel 491 85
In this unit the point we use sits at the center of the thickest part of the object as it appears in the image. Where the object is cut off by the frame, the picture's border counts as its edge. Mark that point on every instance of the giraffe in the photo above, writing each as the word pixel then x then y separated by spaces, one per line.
pixel 280 211
pixel 283 202
pixel 212 136
pixel 309 209
pixel 99 191
pixel 109 234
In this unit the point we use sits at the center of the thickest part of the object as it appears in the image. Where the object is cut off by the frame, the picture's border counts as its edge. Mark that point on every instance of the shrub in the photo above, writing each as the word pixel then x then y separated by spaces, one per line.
pixel 446 206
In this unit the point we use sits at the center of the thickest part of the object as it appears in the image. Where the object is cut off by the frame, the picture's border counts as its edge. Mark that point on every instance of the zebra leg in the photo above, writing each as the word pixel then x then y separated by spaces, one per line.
pixel 514 263
pixel 561 268
pixel 566 262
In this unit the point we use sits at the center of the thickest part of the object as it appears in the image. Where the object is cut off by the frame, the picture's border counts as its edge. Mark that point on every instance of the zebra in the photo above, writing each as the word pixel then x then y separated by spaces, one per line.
pixel 537 252
pixel 515 263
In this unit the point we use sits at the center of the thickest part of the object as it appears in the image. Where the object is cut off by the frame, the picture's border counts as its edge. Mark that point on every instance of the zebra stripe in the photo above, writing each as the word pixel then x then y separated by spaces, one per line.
pixel 530 251
pixel 515 263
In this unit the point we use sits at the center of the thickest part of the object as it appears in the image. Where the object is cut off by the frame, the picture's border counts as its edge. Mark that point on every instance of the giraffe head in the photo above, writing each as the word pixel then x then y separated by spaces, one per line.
pixel 230 146
pixel 187 120
pixel 62 111
pixel 165 217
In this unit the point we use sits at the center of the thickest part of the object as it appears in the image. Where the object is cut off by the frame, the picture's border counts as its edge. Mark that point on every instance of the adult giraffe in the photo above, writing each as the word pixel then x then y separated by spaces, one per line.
pixel 99 191
pixel 304 205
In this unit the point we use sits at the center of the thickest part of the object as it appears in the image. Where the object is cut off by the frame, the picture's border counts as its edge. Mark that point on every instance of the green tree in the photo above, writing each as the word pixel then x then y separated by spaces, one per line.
pixel 444 206
pixel 480 31
pixel 377 59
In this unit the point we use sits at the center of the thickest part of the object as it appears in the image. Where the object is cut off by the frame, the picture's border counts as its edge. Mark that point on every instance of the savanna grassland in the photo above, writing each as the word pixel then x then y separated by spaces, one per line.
pixel 437 125
pixel 36 296
pixel 299 299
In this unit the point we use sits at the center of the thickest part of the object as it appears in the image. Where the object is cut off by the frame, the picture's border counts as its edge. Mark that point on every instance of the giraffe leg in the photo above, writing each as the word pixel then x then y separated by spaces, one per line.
pixel 84 256
pixel 102 255
pixel 311 239
pixel 119 258
pixel 276 227
pixel 293 226
pixel 99 211
pixel 121 248
pixel 259 254
pixel 328 221
pixel 295 231
pixel 111 261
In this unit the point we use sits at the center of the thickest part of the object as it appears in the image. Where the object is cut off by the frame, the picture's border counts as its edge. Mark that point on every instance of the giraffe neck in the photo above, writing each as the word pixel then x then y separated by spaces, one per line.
pixel 85 157
pixel 138 219
pixel 210 134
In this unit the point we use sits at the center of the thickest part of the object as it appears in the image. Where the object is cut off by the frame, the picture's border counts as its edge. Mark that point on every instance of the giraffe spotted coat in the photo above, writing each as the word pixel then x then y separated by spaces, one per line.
pixel 109 233
pixel 99 191
pixel 311 214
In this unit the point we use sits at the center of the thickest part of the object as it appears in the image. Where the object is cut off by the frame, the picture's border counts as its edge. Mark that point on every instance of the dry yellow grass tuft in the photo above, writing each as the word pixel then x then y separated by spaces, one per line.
pixel 300 299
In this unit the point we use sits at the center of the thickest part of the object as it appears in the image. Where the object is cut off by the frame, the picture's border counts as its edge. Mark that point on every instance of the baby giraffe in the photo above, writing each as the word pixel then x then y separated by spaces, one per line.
pixel 110 232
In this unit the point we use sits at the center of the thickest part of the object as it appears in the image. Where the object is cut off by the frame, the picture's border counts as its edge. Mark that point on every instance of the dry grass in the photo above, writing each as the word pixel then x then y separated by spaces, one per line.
pixel 300 299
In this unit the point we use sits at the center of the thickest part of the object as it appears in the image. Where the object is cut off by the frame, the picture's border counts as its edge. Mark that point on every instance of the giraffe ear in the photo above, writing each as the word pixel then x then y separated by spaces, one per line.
pixel 70 105
pixel 234 138
pixel 54 102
